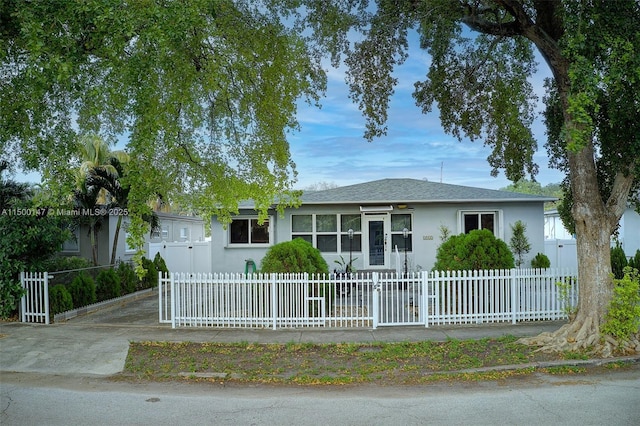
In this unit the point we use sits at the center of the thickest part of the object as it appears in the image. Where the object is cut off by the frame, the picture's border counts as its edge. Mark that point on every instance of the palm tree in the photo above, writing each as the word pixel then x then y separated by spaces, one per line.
pixel 99 166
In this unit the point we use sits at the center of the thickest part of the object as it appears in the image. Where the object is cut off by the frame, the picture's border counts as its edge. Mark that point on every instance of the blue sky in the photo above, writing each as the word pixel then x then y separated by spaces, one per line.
pixel 330 146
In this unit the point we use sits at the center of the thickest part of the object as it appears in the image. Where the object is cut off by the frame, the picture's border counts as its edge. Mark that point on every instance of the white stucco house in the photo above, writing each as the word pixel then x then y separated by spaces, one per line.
pixel 378 212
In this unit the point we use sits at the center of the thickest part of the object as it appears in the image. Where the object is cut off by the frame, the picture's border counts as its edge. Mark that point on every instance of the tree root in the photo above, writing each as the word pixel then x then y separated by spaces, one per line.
pixel 582 335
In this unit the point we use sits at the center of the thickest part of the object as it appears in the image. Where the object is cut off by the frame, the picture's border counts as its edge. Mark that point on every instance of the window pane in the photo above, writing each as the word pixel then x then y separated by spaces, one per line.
pixel 326 223
pixel 487 221
pixel 399 240
pixel 356 243
pixel 400 221
pixel 350 221
pixel 239 231
pixel 470 222
pixel 328 243
pixel 301 223
pixel 259 233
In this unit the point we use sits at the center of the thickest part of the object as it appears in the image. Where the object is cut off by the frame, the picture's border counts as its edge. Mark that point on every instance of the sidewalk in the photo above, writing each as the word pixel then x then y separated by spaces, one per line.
pixel 97 343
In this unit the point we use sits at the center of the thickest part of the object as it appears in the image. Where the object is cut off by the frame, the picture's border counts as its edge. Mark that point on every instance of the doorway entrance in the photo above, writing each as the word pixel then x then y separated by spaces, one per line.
pixel 376 241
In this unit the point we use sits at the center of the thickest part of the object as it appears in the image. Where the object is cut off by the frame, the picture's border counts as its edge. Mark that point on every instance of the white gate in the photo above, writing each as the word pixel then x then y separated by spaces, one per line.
pixel 34 305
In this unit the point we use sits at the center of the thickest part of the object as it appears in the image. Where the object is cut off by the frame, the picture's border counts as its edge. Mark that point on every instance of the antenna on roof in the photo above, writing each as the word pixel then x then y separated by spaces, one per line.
pixel 441 166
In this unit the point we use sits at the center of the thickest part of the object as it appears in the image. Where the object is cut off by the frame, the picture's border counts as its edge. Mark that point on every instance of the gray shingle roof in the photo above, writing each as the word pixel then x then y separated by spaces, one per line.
pixel 412 191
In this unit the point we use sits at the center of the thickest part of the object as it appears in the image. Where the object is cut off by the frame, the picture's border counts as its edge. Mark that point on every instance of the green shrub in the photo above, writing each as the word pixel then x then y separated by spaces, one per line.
pixel 150 280
pixel 64 263
pixel 618 261
pixel 11 292
pixel 540 261
pixel 623 317
pixel 160 264
pixel 108 285
pixel 297 255
pixel 634 262
pixel 127 277
pixel 479 249
pixel 519 242
pixel 83 290
pixel 60 299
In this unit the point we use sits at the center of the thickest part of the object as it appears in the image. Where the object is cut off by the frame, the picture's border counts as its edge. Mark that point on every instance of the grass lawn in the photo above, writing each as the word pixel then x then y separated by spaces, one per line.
pixel 388 364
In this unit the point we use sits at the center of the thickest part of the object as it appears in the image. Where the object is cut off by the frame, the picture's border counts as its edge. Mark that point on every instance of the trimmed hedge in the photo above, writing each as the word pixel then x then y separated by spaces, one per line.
pixel 108 285
pixel 479 249
pixel 293 256
pixel 83 290
pixel 60 299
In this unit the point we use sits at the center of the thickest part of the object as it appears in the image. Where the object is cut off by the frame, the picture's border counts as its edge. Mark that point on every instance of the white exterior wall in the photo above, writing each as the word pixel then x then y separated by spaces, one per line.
pixel 427 220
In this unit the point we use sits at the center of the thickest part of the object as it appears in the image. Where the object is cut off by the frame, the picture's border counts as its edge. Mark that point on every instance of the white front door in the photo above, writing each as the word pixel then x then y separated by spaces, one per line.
pixel 376 241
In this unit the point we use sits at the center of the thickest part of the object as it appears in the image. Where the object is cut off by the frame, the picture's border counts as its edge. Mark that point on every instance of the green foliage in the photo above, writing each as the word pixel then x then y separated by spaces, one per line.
pixel 634 262
pixel 297 255
pixel 479 249
pixel 108 285
pixel 128 278
pixel 623 317
pixel 618 261
pixel 150 278
pixel 519 242
pixel 60 299
pixel 160 264
pixel 83 290
pixel 27 241
pixel 65 263
pixel 209 87
pixel 540 261
pixel 565 289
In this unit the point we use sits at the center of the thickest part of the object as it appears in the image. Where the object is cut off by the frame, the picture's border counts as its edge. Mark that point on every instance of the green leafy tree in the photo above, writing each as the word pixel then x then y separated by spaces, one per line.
pixel 482 58
pixel 519 243
pixel 479 249
pixel 205 92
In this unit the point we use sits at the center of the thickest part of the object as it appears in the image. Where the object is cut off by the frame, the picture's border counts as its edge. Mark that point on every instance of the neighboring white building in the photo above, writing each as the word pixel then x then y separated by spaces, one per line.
pixel 560 245
pixel 378 212
pixel 173 228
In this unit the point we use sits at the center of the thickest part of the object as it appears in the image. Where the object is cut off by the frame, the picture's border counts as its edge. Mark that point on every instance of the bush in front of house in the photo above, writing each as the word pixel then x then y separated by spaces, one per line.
pixel 60 299
pixel 634 262
pixel 127 277
pixel 83 290
pixel 477 250
pixel 150 280
pixel 108 285
pixel 66 263
pixel 540 261
pixel 294 256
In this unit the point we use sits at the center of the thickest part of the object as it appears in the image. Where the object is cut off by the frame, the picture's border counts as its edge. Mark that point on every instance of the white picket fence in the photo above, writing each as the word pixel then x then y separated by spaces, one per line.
pixel 363 300
pixel 34 305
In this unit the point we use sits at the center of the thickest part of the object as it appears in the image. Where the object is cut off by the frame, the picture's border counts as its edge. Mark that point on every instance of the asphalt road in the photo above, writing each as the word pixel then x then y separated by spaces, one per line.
pixel 610 397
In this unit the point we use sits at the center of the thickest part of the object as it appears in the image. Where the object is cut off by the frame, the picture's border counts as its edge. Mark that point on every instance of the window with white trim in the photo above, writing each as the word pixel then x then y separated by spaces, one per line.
pixel 472 220
pixel 329 233
pixel 249 231
pixel 400 222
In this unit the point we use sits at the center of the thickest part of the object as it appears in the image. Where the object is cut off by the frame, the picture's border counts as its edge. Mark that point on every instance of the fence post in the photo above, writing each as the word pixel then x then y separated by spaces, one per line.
pixel 46 298
pixel 424 282
pixel 173 300
pixel 274 302
pixel 376 300
pixel 514 284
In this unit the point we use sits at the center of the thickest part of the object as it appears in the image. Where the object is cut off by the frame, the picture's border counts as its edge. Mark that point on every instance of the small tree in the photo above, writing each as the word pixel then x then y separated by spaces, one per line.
pixel 519 243
pixel 540 261
pixel 618 261
pixel 108 285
